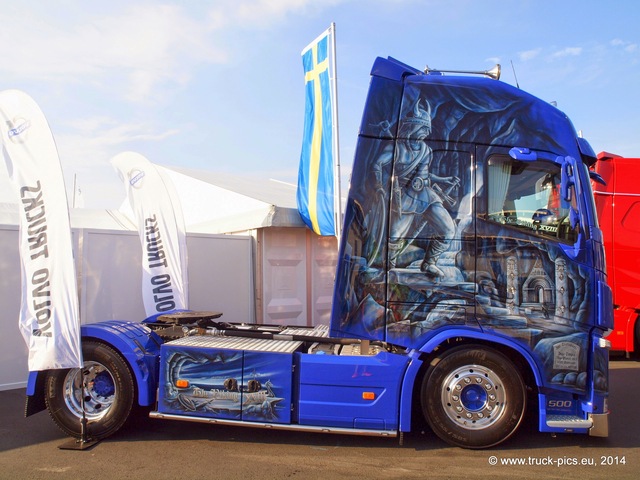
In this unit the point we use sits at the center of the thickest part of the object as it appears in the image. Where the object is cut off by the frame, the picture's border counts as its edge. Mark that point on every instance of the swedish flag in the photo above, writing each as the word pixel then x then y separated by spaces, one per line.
pixel 315 195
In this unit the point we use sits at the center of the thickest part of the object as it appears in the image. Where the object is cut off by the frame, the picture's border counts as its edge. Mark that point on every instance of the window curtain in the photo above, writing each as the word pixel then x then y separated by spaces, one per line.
pixel 499 176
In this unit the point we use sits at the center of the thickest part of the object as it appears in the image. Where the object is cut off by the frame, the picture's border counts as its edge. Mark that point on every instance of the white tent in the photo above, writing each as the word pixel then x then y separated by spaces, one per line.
pixel 224 203
pixel 294 268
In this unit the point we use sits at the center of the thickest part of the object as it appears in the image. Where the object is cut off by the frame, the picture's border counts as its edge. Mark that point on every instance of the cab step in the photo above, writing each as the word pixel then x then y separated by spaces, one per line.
pixel 568 421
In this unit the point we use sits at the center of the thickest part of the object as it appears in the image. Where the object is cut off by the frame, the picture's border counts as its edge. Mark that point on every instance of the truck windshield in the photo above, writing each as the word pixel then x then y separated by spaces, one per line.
pixel 526 196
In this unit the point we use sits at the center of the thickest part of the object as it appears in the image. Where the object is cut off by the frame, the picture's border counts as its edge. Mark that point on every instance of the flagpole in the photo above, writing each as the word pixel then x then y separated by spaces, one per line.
pixel 336 141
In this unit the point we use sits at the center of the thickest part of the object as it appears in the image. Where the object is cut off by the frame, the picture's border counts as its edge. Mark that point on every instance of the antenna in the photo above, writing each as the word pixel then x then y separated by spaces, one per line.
pixel 514 74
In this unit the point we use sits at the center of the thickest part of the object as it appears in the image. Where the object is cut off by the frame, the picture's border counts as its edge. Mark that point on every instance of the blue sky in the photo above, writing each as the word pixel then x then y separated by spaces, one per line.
pixel 218 85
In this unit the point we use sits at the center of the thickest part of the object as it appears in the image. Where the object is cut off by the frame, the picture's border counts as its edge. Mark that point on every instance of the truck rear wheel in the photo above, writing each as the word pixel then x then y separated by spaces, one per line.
pixel 107 393
pixel 473 397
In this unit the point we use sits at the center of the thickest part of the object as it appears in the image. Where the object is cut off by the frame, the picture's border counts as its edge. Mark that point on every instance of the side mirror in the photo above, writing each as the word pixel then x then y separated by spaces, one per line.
pixel 596 177
pixel 568 179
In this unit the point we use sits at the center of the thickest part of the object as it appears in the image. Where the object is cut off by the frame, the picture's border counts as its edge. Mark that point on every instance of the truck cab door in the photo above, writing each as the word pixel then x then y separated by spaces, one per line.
pixel 430 243
pixel 528 220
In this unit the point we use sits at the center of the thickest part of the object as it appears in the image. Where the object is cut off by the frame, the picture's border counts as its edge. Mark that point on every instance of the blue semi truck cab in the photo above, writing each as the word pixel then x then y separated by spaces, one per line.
pixel 470 289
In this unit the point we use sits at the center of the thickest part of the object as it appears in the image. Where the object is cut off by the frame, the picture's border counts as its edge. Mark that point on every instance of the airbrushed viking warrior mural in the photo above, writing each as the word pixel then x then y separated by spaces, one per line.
pixel 417 197
pixel 470 232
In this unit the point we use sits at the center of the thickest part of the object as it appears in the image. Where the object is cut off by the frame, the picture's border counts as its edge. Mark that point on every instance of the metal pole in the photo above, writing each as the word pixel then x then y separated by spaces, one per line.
pixel 336 141
pixel 85 442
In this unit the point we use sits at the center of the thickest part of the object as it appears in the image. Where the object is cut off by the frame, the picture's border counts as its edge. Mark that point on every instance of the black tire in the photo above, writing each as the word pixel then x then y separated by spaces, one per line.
pixel 473 397
pixel 108 393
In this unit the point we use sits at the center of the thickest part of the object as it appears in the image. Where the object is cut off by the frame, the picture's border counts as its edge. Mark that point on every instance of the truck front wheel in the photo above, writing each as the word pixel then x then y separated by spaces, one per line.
pixel 473 397
pixel 104 388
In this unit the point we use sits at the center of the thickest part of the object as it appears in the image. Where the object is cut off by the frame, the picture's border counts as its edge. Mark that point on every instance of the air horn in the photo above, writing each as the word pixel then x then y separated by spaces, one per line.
pixel 493 73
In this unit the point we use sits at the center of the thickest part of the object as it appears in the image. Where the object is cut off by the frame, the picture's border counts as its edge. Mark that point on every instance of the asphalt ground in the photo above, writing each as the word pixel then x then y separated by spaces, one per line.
pixel 162 449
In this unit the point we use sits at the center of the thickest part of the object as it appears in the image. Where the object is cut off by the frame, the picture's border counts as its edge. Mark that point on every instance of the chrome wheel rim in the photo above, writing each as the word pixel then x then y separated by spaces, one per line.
pixel 473 397
pixel 97 394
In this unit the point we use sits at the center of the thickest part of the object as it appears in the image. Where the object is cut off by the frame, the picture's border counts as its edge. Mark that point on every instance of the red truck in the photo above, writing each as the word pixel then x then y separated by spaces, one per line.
pixel 618 207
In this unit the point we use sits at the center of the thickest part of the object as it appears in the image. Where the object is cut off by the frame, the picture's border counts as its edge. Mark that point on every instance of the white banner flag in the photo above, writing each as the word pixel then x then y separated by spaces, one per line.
pixel 158 213
pixel 49 319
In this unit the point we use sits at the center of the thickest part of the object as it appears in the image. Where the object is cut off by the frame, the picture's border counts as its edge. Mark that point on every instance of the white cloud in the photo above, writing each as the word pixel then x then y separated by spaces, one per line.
pixel 529 54
pixel 567 52
pixel 145 46
pixel 137 48
pixel 625 45
pixel 100 138
pixel 261 13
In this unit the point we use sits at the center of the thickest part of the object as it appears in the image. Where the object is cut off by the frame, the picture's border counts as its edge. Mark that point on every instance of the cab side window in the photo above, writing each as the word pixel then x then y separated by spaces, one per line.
pixel 526 196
